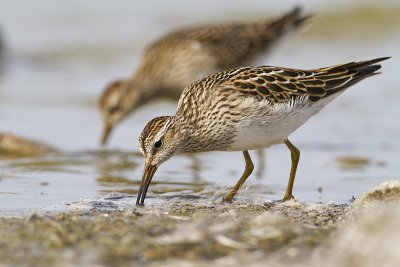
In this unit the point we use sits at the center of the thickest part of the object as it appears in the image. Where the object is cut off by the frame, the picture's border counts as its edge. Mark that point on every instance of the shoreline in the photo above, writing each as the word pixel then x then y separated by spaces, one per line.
pixel 182 233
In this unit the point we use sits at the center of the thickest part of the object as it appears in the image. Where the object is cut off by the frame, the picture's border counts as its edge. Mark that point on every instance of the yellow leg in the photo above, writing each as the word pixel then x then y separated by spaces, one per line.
pixel 247 171
pixel 295 154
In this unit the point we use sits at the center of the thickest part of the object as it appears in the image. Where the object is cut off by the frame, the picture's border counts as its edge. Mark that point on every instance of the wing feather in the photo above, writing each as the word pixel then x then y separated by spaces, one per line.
pixel 280 85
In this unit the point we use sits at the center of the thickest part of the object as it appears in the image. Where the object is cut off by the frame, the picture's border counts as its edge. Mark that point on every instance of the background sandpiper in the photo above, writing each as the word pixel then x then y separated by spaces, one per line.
pixel 181 57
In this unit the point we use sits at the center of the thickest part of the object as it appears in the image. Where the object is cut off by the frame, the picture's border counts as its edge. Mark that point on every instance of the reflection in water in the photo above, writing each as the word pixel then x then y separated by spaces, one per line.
pixel 128 186
pixel 261 163
pixel 114 168
pixel 49 164
pixel 110 181
pixel 114 162
pixel 353 162
pixel 195 166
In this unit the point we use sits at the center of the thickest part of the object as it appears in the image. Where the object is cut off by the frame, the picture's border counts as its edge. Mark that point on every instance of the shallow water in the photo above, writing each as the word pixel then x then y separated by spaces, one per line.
pixel 59 59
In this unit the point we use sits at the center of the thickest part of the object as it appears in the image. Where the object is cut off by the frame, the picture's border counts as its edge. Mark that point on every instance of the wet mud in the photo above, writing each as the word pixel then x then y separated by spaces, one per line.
pixel 181 232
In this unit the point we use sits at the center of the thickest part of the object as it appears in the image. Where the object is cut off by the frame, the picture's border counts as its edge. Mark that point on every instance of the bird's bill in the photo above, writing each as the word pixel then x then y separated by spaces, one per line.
pixel 106 133
pixel 148 173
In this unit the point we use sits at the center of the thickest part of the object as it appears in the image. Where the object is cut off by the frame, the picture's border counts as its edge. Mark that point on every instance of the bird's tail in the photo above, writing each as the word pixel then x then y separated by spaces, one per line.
pixel 340 77
pixel 289 21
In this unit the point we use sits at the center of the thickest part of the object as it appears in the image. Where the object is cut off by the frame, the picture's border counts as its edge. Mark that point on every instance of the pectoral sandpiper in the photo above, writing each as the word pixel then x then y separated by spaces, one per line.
pixel 184 56
pixel 244 109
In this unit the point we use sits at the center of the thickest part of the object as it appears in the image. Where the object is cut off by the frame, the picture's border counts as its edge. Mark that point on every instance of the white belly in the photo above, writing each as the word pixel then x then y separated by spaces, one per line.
pixel 272 126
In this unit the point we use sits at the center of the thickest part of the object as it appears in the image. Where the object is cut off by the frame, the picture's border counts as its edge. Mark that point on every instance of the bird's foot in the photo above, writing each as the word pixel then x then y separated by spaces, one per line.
pixel 229 197
pixel 286 198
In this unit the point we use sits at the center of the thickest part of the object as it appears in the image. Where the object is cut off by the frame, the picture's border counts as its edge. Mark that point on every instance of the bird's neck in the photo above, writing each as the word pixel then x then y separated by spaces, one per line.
pixel 184 131
pixel 193 139
pixel 145 90
pixel 137 93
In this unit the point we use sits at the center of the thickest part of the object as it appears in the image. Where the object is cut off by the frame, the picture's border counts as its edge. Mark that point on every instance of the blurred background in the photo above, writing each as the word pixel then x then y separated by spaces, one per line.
pixel 58 57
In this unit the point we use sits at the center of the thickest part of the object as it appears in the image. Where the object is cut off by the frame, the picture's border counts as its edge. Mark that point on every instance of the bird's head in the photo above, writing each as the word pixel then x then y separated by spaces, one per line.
pixel 117 101
pixel 159 140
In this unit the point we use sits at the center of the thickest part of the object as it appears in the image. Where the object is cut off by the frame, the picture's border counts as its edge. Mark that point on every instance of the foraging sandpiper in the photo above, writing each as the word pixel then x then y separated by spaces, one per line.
pixel 179 58
pixel 244 109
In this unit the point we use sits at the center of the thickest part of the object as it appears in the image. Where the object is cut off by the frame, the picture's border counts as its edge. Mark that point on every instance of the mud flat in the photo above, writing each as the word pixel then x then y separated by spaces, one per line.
pixel 111 232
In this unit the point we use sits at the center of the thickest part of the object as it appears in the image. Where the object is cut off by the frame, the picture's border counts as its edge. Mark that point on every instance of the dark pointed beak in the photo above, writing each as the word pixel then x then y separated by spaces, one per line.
pixel 148 173
pixel 106 133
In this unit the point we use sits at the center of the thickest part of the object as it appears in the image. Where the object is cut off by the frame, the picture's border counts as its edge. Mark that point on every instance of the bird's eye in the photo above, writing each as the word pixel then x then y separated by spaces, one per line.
pixel 113 109
pixel 158 144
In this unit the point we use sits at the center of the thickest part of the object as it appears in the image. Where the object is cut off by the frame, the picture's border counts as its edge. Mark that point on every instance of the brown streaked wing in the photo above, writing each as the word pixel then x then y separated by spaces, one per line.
pixel 280 85
pixel 275 84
